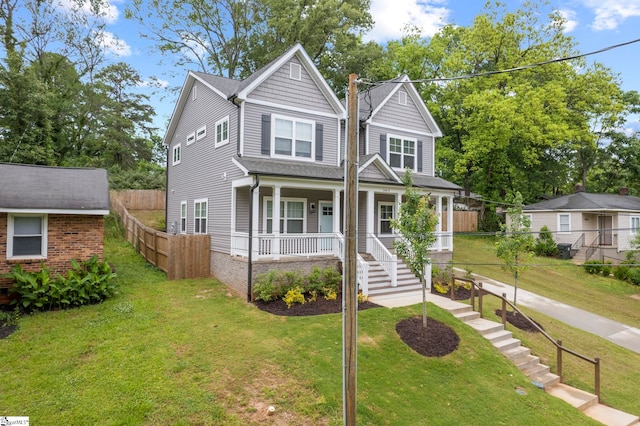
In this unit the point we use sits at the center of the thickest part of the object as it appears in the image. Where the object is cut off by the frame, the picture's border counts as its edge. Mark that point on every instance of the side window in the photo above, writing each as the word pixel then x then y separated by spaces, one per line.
pixel 401 152
pixel 27 236
pixel 183 217
pixel 222 132
pixel 177 154
pixel 292 138
pixel 200 216
pixel 564 222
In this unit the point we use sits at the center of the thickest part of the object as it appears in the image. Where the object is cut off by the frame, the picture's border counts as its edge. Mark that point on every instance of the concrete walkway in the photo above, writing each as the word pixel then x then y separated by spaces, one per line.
pixel 620 334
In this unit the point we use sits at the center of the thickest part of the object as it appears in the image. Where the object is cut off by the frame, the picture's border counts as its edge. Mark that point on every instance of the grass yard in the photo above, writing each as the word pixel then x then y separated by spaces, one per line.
pixel 189 352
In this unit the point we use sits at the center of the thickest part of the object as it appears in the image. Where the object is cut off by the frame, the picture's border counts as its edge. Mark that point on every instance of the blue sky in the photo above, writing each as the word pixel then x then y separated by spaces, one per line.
pixel 594 24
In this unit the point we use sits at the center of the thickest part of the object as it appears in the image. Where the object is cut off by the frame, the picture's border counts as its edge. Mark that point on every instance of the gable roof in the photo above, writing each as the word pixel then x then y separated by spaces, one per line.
pixel 372 100
pixel 587 201
pixel 43 189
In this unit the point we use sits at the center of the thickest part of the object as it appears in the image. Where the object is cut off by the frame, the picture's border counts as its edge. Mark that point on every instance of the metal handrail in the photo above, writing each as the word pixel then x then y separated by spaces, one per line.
pixel 579 243
pixel 557 343
pixel 592 248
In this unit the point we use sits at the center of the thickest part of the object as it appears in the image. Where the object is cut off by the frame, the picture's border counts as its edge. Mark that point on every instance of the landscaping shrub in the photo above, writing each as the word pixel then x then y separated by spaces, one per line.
pixel 634 276
pixel 544 244
pixel 87 282
pixel 294 296
pixel 275 284
pixel 606 268
pixel 621 272
pixel 593 266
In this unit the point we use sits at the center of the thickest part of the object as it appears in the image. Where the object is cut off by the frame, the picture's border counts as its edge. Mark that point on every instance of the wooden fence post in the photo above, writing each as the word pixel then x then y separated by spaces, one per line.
pixel 480 299
pixel 559 358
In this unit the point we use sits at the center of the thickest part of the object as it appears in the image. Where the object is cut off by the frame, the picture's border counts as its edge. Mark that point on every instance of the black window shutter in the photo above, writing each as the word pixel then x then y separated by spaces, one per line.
pixel 319 147
pixel 419 156
pixel 383 146
pixel 266 134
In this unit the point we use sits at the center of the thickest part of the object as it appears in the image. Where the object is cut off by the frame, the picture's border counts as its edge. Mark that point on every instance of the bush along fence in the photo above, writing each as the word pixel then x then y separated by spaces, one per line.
pixel 179 256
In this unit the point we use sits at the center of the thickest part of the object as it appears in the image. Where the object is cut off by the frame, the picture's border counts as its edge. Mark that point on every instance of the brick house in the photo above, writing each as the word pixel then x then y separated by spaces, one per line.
pixel 50 215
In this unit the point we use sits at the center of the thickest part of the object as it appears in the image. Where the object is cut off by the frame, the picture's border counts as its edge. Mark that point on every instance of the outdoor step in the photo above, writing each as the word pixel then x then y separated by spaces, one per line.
pixel 496 336
pixel 527 362
pixel 517 353
pixel 484 326
pixel 467 316
pixel 546 381
pixel 576 397
pixel 506 344
pixel 449 305
pixel 610 416
pixel 536 370
pixel 381 291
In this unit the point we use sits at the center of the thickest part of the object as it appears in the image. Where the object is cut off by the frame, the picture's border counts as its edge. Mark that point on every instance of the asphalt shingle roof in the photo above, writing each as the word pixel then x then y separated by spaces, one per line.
pixel 588 201
pixel 56 188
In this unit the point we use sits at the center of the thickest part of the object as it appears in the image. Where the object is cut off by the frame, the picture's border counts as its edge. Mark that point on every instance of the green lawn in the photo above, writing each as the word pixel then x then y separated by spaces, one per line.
pixel 189 352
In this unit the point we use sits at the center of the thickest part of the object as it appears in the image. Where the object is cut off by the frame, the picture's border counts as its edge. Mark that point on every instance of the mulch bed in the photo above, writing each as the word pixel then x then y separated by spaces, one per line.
pixel 519 321
pixel 436 340
pixel 460 293
pixel 320 307
pixel 6 330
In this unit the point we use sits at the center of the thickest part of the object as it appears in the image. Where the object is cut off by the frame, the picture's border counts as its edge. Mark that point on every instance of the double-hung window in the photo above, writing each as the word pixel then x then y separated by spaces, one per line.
pixel 384 218
pixel 222 132
pixel 292 219
pixel 293 137
pixel 177 154
pixel 635 224
pixel 402 152
pixel 200 216
pixel 183 217
pixel 27 236
pixel 564 222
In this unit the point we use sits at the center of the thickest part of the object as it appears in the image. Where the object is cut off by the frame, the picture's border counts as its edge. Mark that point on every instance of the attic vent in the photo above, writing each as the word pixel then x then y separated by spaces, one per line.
pixel 402 98
pixel 194 93
pixel 295 71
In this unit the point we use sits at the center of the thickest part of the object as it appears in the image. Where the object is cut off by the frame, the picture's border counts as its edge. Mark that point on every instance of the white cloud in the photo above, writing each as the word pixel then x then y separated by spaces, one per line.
pixel 154 82
pixel 107 11
pixel 391 16
pixel 611 13
pixel 113 44
pixel 570 20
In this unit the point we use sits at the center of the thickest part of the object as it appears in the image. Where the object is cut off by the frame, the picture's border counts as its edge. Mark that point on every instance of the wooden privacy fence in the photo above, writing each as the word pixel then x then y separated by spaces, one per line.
pixel 179 256
pixel 465 221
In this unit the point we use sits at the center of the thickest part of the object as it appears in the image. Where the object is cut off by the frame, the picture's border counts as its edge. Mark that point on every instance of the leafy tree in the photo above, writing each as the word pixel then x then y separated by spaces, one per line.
pixel 416 223
pixel 514 244
pixel 545 244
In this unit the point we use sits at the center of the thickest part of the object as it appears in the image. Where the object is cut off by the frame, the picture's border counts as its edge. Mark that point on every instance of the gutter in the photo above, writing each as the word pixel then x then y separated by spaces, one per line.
pixel 250 248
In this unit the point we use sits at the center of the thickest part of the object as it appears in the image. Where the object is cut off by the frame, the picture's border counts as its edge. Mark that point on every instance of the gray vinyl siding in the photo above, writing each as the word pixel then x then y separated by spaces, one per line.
pixel 428 162
pixel 311 218
pixel 201 172
pixel 279 88
pixel 403 116
pixel 253 131
pixel 372 172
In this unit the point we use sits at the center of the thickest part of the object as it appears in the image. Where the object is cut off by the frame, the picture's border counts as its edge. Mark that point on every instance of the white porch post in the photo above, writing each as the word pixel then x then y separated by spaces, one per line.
pixel 371 211
pixel 439 225
pixel 275 222
pixel 256 217
pixel 450 221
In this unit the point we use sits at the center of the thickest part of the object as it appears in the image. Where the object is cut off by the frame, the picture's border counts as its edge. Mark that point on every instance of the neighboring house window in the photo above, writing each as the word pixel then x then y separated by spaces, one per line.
pixel 183 217
pixel 635 224
pixel 191 138
pixel 295 71
pixel 564 222
pixel 177 154
pixel 292 137
pixel 402 98
pixel 292 216
pixel 222 132
pixel 384 218
pixel 402 153
pixel 27 236
pixel 201 133
pixel 200 216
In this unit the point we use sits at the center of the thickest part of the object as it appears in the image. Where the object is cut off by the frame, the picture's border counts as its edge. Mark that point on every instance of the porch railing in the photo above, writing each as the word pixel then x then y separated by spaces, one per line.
pixel 387 260
pixel 444 241
pixel 592 248
pixel 362 271
pixel 578 244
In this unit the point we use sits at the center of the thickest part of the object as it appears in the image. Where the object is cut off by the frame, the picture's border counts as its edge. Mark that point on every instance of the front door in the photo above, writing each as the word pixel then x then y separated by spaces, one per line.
pixel 325 209
pixel 605 224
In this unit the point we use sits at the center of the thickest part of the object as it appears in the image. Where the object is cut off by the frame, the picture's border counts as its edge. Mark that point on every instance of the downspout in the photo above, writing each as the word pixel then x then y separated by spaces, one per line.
pixel 250 249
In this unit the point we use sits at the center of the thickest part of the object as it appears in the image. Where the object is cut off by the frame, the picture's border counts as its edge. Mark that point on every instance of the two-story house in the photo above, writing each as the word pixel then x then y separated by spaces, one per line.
pixel 243 153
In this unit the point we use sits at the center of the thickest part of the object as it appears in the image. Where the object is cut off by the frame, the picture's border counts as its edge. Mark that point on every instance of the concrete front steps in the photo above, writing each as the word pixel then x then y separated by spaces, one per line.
pixel 379 286
pixel 530 365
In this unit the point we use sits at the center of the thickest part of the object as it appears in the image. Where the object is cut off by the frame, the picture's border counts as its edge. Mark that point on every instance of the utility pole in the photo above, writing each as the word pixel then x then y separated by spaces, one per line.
pixel 350 290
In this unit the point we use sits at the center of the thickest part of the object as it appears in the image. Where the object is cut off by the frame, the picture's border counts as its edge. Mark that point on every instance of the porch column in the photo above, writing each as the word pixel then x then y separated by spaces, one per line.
pixel 371 209
pixel 450 222
pixel 275 222
pixel 439 225
pixel 255 218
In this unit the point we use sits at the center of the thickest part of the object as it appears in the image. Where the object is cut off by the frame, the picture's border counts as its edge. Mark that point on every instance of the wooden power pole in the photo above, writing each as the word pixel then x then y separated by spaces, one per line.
pixel 350 290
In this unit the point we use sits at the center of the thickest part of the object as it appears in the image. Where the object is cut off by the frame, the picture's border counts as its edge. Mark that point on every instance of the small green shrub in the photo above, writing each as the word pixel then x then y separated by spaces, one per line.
pixel 592 266
pixel 9 318
pixel 264 287
pixel 294 295
pixel 621 272
pixel 275 284
pixel 634 276
pixel 544 244
pixel 606 268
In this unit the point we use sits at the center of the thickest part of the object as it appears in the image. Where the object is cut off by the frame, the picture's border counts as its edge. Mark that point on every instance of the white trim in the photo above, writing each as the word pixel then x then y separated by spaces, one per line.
pixel 183 229
pixel 402 97
pixel 560 231
pixel 194 92
pixel 176 148
pixel 196 218
pixel 283 211
pixel 403 139
pixel 240 128
pixel 293 108
pixel 201 133
pixel 632 230
pixel 295 71
pixel 400 129
pixel 223 141
pixel 393 216
pixel 386 169
pixel 92 212
pixel 44 220
pixel 191 138
pixel 294 121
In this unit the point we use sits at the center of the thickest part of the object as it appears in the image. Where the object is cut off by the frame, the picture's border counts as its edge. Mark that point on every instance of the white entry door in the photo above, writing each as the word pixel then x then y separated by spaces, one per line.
pixel 325 210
